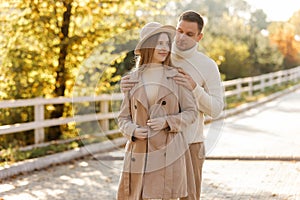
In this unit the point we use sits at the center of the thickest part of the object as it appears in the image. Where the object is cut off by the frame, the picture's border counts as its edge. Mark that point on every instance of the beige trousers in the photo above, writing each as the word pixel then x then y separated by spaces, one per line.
pixel 197 151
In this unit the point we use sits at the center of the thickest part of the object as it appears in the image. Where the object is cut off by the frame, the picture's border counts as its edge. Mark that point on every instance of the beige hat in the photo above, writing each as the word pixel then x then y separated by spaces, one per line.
pixel 151 29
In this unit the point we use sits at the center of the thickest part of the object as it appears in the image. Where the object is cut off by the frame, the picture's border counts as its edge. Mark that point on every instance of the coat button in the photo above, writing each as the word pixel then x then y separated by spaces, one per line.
pixel 135 106
pixel 133 139
pixel 163 103
pixel 133 159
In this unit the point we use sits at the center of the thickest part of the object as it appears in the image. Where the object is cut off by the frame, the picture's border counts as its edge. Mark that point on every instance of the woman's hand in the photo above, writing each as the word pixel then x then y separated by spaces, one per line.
pixel 141 133
pixel 158 124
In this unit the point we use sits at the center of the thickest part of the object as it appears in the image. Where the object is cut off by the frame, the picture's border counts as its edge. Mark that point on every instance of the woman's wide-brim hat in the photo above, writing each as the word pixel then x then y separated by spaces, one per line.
pixel 151 29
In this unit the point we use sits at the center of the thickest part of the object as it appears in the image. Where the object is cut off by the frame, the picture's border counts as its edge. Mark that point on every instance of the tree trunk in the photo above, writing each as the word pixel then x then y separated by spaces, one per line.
pixel 61 73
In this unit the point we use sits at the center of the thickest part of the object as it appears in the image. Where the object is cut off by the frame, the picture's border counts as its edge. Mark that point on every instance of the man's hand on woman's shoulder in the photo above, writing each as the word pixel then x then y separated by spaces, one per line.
pixel 126 84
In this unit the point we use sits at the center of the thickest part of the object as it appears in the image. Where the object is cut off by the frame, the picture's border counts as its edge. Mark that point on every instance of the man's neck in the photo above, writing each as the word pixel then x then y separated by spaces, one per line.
pixel 184 53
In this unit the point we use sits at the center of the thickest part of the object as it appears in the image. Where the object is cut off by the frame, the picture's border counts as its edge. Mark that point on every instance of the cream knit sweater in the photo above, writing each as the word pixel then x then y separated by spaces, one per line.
pixel 209 91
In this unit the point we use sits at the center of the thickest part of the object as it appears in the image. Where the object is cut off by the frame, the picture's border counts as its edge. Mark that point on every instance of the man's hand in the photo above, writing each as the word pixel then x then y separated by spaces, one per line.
pixel 126 84
pixel 184 79
pixel 141 133
pixel 157 124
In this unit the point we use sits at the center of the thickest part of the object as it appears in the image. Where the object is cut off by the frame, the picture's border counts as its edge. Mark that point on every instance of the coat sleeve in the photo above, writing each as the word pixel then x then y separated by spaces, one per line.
pixel 209 99
pixel 188 111
pixel 125 123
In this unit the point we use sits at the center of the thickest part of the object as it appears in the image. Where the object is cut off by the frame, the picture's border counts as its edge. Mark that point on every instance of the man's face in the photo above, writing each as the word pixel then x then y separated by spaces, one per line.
pixel 187 35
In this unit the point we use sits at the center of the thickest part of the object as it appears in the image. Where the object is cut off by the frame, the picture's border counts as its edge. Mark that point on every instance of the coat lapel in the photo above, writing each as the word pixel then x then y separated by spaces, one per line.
pixel 167 83
pixel 138 91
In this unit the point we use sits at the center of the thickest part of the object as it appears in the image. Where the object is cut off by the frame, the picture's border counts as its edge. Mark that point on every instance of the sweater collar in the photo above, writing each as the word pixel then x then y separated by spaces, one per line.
pixel 168 70
pixel 139 92
pixel 186 53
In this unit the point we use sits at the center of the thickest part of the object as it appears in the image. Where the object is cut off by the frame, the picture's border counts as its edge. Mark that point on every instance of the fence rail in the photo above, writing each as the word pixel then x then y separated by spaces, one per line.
pixel 232 88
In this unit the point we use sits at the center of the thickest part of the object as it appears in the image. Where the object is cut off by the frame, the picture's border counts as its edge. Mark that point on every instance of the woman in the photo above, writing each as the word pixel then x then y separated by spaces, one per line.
pixel 152 116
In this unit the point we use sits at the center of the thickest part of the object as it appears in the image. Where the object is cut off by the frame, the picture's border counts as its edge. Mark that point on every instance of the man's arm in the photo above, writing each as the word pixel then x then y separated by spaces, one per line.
pixel 209 99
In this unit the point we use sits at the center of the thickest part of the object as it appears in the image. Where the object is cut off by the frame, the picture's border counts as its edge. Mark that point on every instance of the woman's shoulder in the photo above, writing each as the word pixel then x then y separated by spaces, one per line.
pixel 133 73
pixel 171 71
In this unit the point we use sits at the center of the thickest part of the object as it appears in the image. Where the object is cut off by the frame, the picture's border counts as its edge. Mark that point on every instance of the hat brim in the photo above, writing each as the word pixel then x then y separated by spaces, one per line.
pixel 164 29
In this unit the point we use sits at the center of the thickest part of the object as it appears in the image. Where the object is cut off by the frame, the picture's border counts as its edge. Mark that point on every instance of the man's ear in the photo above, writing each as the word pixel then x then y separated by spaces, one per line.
pixel 199 37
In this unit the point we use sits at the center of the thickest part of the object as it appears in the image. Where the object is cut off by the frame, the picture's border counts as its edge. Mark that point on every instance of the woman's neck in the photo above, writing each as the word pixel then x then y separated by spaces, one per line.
pixel 155 65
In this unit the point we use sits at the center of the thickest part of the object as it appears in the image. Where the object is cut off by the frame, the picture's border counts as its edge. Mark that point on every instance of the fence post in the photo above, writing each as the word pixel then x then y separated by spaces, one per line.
pixel 285 76
pixel 250 84
pixel 39 134
pixel 104 108
pixel 271 79
pixel 262 83
pixel 239 88
pixel 279 78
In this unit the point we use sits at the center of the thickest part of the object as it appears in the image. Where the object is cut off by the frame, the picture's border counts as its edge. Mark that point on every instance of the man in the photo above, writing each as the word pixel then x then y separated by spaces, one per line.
pixel 201 76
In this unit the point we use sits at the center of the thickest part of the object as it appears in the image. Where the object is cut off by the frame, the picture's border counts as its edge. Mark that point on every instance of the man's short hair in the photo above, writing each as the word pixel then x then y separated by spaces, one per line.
pixel 192 16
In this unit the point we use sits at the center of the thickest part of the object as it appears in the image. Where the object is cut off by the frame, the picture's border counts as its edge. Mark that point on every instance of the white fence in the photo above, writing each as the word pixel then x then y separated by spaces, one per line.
pixel 260 83
pixel 232 87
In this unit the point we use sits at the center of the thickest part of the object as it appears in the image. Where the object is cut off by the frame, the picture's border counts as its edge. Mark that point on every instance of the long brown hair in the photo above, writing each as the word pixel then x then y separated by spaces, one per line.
pixel 147 50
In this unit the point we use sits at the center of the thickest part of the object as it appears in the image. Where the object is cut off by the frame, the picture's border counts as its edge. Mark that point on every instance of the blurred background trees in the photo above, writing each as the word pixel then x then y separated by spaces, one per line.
pixel 52 48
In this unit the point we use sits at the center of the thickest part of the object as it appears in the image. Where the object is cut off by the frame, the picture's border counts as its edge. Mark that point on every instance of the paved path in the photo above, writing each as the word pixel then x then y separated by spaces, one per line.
pixel 269 130
pixel 272 130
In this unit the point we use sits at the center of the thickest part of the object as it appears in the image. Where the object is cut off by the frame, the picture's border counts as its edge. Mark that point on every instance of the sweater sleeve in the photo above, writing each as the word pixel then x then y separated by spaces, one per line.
pixel 125 123
pixel 209 98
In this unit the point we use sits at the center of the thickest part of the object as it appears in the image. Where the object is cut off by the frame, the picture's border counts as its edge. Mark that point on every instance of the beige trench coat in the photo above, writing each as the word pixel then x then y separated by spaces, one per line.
pixel 156 167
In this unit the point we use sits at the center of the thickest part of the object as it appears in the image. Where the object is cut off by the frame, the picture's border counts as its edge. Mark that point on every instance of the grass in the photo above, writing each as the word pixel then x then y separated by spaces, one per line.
pixel 13 154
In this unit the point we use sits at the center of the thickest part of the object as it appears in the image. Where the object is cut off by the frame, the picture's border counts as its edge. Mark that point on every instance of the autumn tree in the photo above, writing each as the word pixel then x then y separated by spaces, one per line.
pixel 295 21
pixel 46 42
pixel 284 36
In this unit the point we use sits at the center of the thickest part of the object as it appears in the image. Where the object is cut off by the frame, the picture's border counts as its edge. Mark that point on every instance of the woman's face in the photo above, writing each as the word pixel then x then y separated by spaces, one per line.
pixel 162 49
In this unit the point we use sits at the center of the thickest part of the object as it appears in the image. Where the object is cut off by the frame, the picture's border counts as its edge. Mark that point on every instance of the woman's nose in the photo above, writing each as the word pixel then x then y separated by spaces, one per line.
pixel 165 47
